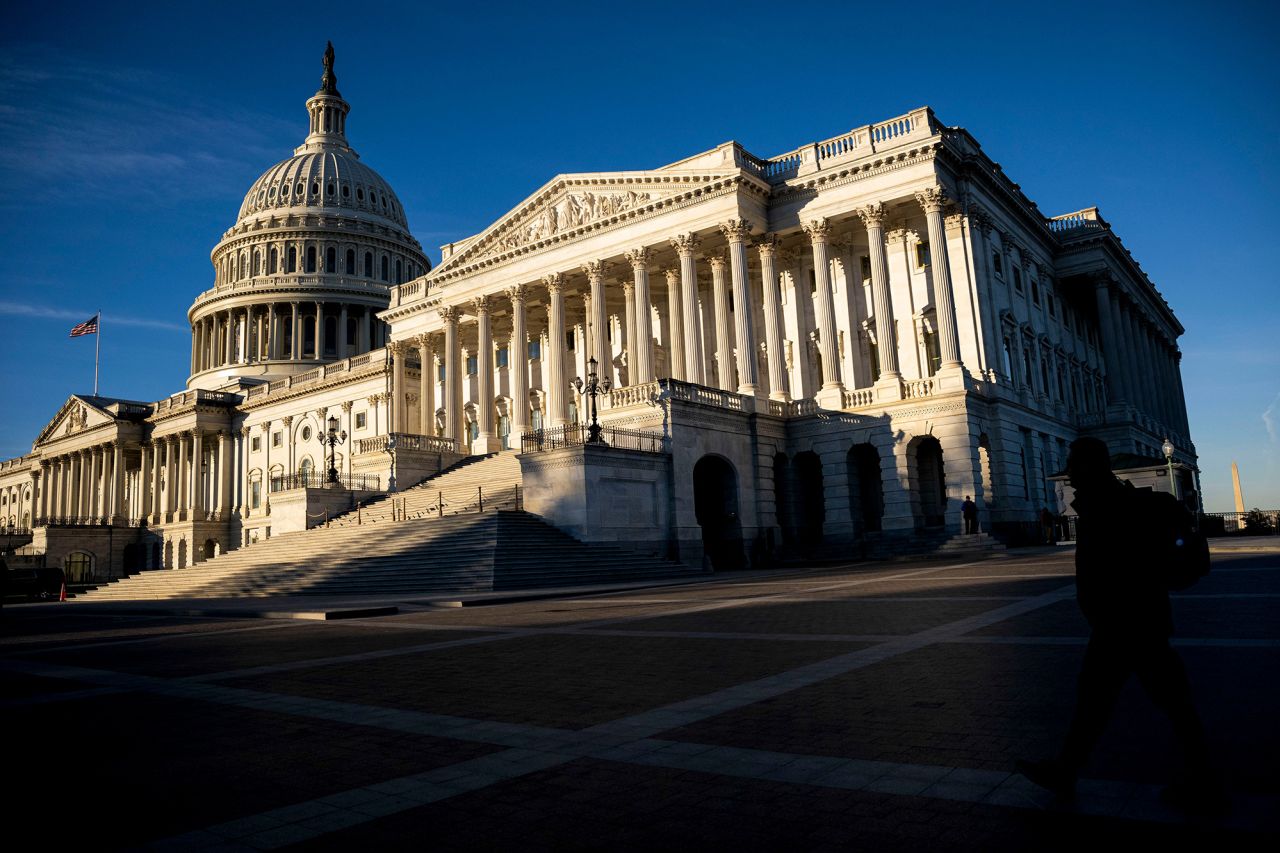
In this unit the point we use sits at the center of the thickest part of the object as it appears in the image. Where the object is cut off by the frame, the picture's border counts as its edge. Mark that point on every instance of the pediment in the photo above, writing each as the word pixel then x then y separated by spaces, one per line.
pixel 76 415
pixel 571 205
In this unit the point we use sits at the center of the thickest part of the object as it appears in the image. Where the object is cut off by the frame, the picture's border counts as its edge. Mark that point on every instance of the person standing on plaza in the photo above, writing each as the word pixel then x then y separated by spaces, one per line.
pixel 1122 594
pixel 969 511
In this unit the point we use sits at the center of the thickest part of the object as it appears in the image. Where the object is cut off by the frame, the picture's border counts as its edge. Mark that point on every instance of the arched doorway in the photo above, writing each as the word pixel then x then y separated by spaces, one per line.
pixel 182 553
pixel 811 506
pixel 984 463
pixel 715 502
pixel 78 567
pixel 210 549
pixel 930 481
pixel 866 488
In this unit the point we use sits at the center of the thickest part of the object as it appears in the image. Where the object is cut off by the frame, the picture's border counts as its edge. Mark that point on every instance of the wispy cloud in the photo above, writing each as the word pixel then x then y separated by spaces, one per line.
pixel 18 309
pixel 85 131
pixel 1270 416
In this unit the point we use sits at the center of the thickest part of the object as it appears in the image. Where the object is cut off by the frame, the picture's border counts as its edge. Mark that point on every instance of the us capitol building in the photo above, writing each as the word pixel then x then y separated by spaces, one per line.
pixel 818 353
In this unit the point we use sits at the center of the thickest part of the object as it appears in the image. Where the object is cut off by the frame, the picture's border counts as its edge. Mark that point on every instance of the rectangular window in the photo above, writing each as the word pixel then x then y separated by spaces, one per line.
pixel 570 341
pixel 813 283
pixel 873 357
pixel 535 349
pixel 255 444
pixel 1008 359
pixel 1035 291
pixel 503 357
pixel 1017 280
pixel 866 267
pixel 922 254
pixel 997 264
pixel 277 439
pixel 441 372
pixel 473 365
pixel 361 420
pixel 1048 298
pixel 932 353
pixel 255 492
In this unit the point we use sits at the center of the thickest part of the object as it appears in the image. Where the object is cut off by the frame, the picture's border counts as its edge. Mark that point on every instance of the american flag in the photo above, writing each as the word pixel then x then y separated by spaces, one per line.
pixel 88 327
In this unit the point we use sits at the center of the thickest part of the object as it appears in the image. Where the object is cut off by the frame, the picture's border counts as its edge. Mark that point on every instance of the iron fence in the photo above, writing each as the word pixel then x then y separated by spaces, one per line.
pixel 319 479
pixel 1257 522
pixel 574 435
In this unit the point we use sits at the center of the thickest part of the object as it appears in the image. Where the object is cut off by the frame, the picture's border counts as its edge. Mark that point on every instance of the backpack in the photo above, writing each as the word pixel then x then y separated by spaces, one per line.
pixel 1180 551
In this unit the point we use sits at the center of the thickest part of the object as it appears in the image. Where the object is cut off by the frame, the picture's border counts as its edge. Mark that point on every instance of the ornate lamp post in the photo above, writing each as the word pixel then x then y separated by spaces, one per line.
pixel 333 439
pixel 593 388
pixel 1168 449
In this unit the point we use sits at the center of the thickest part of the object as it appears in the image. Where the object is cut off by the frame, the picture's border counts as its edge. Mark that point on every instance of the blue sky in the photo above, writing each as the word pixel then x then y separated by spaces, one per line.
pixel 127 142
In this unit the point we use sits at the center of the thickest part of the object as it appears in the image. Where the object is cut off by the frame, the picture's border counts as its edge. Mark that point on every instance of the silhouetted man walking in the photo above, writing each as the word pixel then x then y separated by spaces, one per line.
pixel 1121 592
pixel 969 512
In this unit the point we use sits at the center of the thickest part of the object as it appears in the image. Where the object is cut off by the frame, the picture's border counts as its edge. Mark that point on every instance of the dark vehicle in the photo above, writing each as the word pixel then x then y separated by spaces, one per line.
pixel 42 584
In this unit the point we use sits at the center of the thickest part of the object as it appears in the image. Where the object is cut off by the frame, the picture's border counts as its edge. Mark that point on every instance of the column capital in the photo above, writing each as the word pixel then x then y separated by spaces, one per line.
pixel 817 230
pixel 767 245
pixel 628 287
pixel 872 215
pixel 244 430
pixel 346 405
pixel 717 261
pixel 553 282
pixel 398 348
pixel 595 269
pixel 287 420
pixel 639 258
pixel 685 244
pixel 481 305
pixel 448 313
pixel 373 399
pixel 423 341
pixel 517 293
pixel 736 230
pixel 1101 279
pixel 932 199
pixel 321 413
pixel 673 276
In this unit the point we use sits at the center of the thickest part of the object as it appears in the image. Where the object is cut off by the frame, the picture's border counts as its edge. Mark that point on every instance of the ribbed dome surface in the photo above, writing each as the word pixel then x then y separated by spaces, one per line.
pixel 332 179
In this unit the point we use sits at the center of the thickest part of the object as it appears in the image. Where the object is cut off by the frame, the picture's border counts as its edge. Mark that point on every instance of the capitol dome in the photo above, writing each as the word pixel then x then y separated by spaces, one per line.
pixel 328 180
pixel 299 279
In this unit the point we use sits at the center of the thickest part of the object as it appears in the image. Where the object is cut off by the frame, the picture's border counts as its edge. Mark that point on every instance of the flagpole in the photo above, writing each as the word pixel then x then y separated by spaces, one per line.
pixel 97 348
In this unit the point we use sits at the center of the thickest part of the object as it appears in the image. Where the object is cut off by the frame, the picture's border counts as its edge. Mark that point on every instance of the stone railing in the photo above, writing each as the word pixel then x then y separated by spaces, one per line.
pixel 324 371
pixel 198 395
pixel 1087 218
pixel 300 281
pixel 914 389
pixel 406 441
pixel 855 397
pixel 631 395
pixel 412 291
pixel 864 140
pixel 17 462
pixel 689 393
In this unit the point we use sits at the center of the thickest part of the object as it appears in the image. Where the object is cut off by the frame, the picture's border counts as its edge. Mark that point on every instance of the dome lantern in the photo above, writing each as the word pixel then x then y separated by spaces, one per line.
pixel 328 114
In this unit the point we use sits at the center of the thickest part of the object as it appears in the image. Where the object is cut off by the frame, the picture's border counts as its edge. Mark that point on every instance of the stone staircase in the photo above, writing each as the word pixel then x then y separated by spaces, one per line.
pixel 476 483
pixel 403 547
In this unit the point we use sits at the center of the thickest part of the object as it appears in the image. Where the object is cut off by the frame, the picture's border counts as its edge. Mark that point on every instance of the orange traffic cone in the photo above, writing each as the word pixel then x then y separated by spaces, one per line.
pixel 62 596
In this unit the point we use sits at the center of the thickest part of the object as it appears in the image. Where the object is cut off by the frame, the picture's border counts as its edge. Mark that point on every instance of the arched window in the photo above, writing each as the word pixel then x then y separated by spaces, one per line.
pixel 399 271
pixel 273 261
pixel 351 261
pixel 331 260
pixel 257 262
pixel 311 259
pixel 368 264
pixel 293 260
pixel 385 268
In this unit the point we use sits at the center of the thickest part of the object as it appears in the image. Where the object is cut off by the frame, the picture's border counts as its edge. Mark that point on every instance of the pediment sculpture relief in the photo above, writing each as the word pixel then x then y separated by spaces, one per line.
pixel 77 420
pixel 570 211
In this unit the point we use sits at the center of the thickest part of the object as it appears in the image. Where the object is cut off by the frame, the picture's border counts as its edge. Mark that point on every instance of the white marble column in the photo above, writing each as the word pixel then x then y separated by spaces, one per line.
pixel 154 512
pixel 555 384
pixel 343 347
pixel 737 232
pixel 882 305
pixel 182 464
pixel 933 200
pixel 685 245
pixel 518 365
pixel 399 406
pixel 295 333
pixel 725 378
pixel 273 351
pixel 144 481
pixel 319 353
pixel 640 360
pixel 832 394
pixel 197 474
pixel 595 271
pixel 426 386
pixel 118 509
pixel 1107 329
pixel 452 377
pixel 629 329
pixel 487 440
pixel 779 386
pixel 675 326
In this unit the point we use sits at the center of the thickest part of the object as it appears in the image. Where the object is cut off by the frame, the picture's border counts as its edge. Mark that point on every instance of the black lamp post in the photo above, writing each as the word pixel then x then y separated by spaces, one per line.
pixel 1168 449
pixel 593 388
pixel 333 440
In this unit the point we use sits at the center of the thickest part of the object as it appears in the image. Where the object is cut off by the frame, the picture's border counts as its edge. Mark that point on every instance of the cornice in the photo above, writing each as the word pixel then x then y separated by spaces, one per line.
pixel 329 383
pixel 855 172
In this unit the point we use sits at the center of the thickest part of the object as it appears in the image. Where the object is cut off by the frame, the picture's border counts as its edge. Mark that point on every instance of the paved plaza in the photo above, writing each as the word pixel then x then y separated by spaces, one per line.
pixel 869 707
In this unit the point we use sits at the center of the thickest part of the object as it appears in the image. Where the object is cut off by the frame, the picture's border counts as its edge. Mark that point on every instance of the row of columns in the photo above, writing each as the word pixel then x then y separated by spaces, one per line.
pixel 1142 365
pixel 261 333
pixel 244 264
pixel 84 486
pixel 735 336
